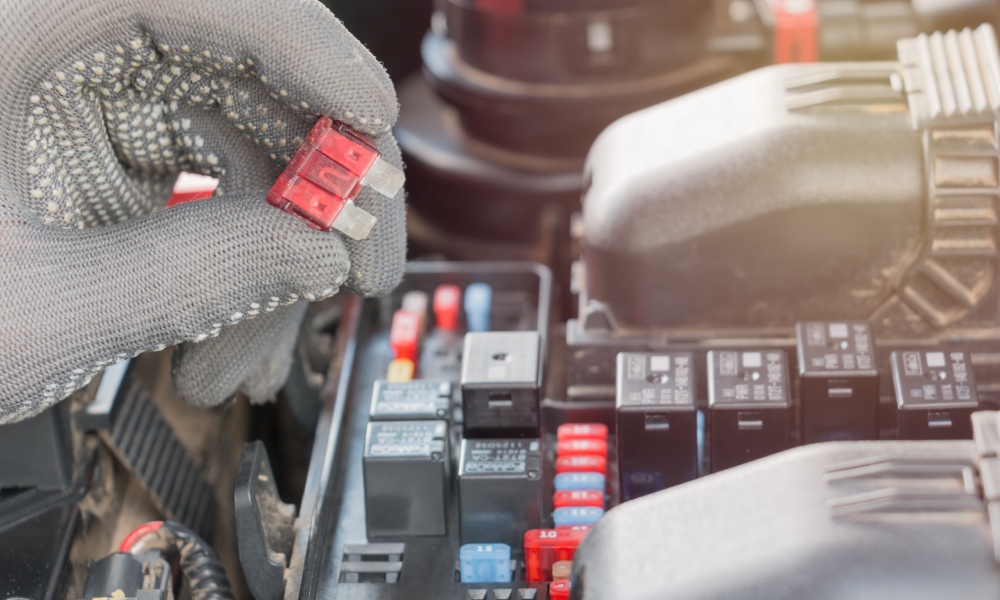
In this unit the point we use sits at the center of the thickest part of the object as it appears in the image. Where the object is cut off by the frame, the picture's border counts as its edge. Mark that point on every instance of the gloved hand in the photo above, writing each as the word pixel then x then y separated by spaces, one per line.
pixel 101 105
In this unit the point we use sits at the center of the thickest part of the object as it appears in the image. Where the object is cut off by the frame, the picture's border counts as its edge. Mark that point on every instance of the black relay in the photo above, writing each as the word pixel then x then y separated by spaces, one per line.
pixel 406 478
pixel 405 400
pixel 749 406
pixel 838 381
pixel 499 490
pixel 501 382
pixel 935 394
pixel 657 422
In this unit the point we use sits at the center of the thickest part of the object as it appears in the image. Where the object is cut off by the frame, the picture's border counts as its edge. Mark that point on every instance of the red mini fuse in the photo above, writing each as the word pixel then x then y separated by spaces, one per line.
pixel 545 547
pixel 586 463
pixel 796 30
pixel 404 336
pixel 582 431
pixel 559 590
pixel 447 299
pixel 327 172
pixel 578 498
pixel 575 447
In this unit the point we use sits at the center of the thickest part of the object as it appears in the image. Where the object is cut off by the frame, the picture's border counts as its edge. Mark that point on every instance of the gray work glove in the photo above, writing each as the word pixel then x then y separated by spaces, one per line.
pixel 101 105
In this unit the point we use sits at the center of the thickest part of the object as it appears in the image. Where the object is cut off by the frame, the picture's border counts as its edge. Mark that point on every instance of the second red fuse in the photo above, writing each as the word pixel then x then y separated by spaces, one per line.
pixel 583 463
pixel 582 446
pixel 568 498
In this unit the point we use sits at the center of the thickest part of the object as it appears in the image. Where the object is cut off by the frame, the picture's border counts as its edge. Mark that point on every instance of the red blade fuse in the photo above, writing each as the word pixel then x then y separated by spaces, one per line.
pixel 404 335
pixel 583 446
pixel 570 498
pixel 582 431
pixel 559 590
pixel 581 463
pixel 327 173
pixel 446 303
pixel 545 547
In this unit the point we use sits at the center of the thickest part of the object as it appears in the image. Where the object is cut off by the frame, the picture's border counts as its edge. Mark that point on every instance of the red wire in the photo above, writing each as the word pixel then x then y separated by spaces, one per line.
pixel 138 533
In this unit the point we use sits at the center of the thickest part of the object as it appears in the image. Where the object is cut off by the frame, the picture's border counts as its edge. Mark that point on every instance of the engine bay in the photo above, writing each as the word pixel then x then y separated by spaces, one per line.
pixel 702 302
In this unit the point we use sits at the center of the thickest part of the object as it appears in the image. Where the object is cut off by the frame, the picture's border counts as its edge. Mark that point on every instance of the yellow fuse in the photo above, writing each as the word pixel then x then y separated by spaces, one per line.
pixel 400 369
pixel 561 570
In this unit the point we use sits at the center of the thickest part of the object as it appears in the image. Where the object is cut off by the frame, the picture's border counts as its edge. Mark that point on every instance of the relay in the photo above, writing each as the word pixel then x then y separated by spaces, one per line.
pixel 411 400
pixel 935 394
pixel 838 382
pixel 749 406
pixel 405 474
pixel 499 489
pixel 657 422
pixel 501 382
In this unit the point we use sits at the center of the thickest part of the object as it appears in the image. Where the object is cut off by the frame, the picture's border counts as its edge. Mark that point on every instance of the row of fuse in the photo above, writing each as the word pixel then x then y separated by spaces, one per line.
pixel 578 502
pixel 409 323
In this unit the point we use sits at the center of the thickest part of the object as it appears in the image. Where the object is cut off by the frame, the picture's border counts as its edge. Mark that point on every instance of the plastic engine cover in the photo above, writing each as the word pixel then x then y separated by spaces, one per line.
pixel 792 192
pixel 787 527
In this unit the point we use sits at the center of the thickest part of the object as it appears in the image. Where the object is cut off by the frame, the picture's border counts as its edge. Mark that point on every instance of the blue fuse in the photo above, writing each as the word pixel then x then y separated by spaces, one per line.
pixel 478 300
pixel 485 563
pixel 579 481
pixel 576 515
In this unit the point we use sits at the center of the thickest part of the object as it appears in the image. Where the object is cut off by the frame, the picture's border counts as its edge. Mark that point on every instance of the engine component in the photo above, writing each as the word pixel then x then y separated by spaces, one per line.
pixel 127 577
pixel 811 522
pixel 499 490
pixel 750 406
pixel 513 93
pixel 135 431
pixel 935 394
pixel 656 422
pixel 854 190
pixel 405 469
pixel 37 453
pixel 401 401
pixel 501 383
pixel 263 525
pixel 838 381
pixel 201 566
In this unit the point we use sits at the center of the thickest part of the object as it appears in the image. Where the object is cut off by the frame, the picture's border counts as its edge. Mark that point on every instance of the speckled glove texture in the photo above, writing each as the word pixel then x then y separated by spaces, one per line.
pixel 102 104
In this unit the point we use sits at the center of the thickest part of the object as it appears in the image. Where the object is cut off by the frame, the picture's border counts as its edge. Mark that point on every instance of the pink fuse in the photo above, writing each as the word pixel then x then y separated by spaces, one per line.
pixel 327 173
pixel 447 299
pixel 404 336
pixel 582 431
pixel 581 463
